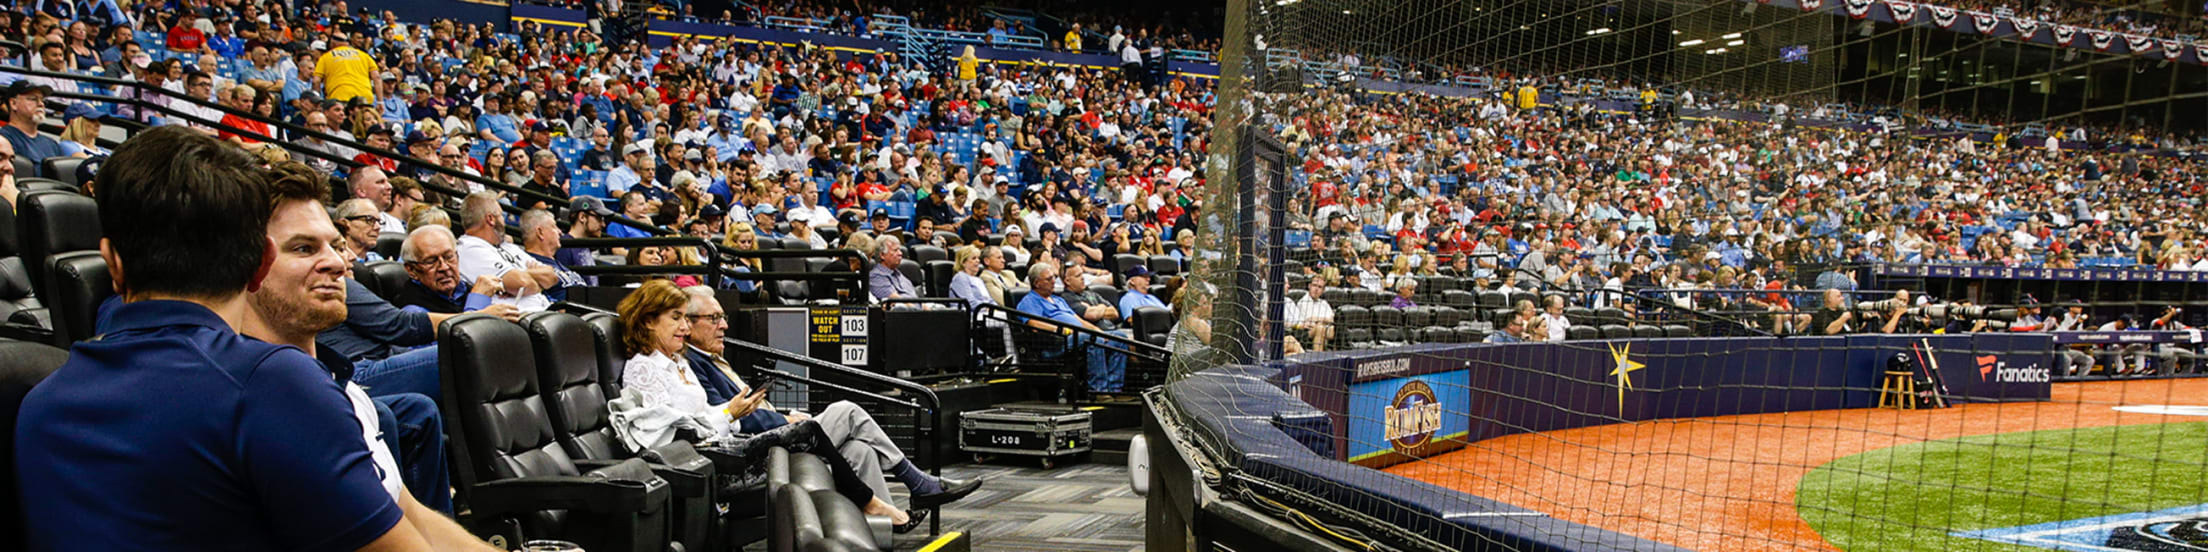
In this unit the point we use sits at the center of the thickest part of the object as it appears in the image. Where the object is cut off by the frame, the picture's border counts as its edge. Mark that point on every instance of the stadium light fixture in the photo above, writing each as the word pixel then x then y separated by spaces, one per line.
pixel 1675 31
pixel 1714 51
pixel 1736 43
pixel 1694 42
pixel 1345 12
pixel 1730 35
pixel 1598 31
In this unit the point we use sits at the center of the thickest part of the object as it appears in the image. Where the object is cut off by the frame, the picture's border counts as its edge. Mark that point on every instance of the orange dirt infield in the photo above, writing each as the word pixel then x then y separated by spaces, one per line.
pixel 1727 482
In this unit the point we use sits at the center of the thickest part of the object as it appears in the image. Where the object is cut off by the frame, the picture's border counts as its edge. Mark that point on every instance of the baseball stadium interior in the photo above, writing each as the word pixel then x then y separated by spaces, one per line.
pixel 1056 275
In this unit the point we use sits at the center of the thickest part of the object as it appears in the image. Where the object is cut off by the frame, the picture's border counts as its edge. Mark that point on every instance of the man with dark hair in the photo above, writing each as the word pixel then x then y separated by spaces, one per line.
pixel 304 294
pixel 206 437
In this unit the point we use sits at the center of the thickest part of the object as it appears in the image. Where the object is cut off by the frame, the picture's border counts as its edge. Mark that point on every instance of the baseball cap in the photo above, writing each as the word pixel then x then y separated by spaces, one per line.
pixel 22 87
pixel 588 204
pixel 78 111
pixel 416 137
pixel 540 126
pixel 1138 271
pixel 881 213
pixel 632 149
pixel 1048 227
pixel 848 217
pixel 762 209
pixel 694 155
pixel 711 212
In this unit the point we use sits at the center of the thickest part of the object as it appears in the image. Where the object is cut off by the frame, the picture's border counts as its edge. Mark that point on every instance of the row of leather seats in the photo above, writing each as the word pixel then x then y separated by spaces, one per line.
pixel 535 453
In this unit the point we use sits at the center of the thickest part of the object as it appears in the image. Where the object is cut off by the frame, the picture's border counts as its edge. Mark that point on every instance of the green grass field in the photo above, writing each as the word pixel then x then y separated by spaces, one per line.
pixel 1911 497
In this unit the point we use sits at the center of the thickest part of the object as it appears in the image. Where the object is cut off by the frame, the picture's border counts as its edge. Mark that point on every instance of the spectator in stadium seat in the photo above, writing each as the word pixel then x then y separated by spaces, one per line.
pixel 495 125
pixel 636 207
pixel 1311 317
pixel 1137 294
pixel 1514 331
pixel 26 102
pixel 378 137
pixel 997 278
pixel 1403 291
pixel 966 284
pixel 540 237
pixel 433 269
pixel 544 178
pixel 884 281
pixel 8 190
pixel 345 71
pixel 1092 306
pixel 655 326
pixel 370 183
pixel 261 422
pixel 858 438
pixel 485 252
pixel 357 220
pixel 1553 319
pixel 627 176
pixel 1107 369
pixel 296 306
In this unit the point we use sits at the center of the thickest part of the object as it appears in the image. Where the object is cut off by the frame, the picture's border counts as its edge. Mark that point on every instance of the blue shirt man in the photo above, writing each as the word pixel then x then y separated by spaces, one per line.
pixel 1107 368
pixel 205 439
pixel 500 125
pixel 1137 294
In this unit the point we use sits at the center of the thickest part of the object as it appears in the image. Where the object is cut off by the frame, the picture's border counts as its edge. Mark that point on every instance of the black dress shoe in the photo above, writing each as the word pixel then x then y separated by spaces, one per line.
pixel 953 490
pixel 918 517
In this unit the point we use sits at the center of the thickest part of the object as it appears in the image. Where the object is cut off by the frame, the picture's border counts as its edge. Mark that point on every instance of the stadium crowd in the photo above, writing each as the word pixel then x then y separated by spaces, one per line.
pixel 1035 182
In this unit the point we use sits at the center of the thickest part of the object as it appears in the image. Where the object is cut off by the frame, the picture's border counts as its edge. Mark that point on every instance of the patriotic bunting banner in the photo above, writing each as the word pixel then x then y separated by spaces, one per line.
pixel 2101 39
pixel 1858 8
pixel 1945 16
pixel 1902 11
pixel 2025 28
pixel 2172 50
pixel 2200 53
pixel 2064 34
pixel 1985 21
pixel 1812 5
pixel 2138 44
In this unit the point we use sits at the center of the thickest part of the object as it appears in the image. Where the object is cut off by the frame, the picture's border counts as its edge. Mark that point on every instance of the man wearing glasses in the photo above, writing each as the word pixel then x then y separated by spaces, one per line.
pixel 432 257
pixel 26 103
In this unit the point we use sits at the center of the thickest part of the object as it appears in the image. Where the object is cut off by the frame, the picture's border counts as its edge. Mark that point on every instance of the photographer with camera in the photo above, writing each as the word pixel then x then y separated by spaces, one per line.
pixel 1836 319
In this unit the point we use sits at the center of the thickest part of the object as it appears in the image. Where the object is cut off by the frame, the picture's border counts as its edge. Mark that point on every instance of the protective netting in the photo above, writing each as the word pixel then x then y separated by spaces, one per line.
pixel 1752 276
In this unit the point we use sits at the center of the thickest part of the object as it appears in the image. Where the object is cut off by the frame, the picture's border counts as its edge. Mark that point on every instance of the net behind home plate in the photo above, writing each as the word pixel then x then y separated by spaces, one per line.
pixel 1677 417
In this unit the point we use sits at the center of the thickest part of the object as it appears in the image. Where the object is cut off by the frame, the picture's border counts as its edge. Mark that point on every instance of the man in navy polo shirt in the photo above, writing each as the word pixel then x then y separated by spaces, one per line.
pixel 170 431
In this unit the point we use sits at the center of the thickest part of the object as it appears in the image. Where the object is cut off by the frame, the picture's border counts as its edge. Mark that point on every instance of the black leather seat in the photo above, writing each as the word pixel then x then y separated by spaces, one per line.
pixel 1152 324
pixel 1576 333
pixel 924 253
pixel 22 365
pixel 1123 261
pixel 45 184
pixel 939 274
pixel 78 282
pixel 1165 265
pixel 388 244
pixel 1615 331
pixel 49 223
pixel 63 169
pixel 15 287
pixel 807 514
pixel 510 473
pixel 385 278
pixel 568 375
pixel 1109 293
pixel 912 271
pixel 1647 331
pixel 1678 330
pixel 605 338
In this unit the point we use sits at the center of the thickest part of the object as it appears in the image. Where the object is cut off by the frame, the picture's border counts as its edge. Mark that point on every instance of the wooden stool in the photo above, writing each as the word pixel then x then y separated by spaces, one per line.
pixel 1898 390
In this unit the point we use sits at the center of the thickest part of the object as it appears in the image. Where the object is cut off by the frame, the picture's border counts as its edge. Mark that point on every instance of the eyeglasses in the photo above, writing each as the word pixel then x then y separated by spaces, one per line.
pixel 708 318
pixel 448 259
pixel 361 218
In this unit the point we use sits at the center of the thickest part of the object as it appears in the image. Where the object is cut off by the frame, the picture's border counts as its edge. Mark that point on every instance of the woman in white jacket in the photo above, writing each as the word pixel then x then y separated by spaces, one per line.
pixel 655 328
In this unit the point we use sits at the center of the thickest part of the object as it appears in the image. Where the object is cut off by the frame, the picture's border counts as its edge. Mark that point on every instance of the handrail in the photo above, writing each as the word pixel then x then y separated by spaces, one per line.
pixel 1132 346
pixel 1698 313
pixel 137 100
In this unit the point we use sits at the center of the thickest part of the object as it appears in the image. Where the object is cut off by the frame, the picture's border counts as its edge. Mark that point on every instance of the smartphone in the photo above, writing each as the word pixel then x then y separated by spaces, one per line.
pixel 766 382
